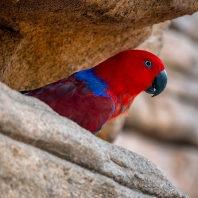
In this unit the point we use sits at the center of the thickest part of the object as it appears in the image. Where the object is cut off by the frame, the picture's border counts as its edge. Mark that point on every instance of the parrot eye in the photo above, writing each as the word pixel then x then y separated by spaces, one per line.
pixel 148 63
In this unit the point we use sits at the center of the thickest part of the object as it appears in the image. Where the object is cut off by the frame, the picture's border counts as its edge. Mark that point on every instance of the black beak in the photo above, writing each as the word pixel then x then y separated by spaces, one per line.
pixel 158 84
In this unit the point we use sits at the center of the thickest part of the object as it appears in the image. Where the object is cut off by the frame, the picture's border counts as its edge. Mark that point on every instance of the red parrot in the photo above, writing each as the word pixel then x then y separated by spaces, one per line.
pixel 94 96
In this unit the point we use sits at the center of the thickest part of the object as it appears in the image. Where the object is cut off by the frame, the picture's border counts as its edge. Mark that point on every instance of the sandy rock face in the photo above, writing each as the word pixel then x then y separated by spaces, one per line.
pixel 49 41
pixel 56 40
pixel 36 173
pixel 177 161
pixel 44 154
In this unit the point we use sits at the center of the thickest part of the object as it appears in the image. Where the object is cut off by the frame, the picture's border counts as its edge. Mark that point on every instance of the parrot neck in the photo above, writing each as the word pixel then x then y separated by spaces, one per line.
pixel 122 102
pixel 100 87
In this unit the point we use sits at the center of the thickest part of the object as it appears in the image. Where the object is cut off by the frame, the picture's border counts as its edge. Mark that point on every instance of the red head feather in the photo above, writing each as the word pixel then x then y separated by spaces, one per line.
pixel 127 74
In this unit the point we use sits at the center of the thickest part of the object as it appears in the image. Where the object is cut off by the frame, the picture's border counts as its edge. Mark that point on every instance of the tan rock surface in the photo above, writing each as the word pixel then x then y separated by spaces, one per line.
pixel 31 123
pixel 28 172
pixel 178 161
pixel 55 42
pixel 53 39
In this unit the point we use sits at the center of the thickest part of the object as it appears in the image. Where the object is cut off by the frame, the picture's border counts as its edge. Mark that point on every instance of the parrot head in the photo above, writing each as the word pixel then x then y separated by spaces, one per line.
pixel 133 71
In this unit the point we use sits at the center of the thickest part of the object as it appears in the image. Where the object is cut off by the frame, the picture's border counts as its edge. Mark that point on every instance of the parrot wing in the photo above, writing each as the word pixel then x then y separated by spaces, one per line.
pixel 71 98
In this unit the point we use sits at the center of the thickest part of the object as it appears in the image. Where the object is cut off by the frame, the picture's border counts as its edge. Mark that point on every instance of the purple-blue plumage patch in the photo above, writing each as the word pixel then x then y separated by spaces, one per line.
pixel 97 85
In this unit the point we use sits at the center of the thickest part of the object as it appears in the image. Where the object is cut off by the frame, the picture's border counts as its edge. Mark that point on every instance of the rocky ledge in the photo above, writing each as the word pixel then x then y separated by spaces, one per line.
pixel 45 155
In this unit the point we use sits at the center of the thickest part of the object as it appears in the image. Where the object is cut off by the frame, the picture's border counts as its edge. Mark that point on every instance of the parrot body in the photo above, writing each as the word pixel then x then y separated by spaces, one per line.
pixel 94 96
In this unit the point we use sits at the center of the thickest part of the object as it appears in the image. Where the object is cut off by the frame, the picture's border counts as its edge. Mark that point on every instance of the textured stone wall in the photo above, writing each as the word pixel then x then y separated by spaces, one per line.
pixel 45 155
pixel 46 41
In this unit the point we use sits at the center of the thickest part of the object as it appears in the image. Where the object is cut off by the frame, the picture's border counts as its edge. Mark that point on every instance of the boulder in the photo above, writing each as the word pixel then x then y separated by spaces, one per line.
pixel 43 154
pixel 177 161
pixel 42 42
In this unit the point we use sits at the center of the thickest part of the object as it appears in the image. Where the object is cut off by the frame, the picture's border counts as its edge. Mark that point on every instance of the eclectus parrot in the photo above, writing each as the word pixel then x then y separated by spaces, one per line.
pixel 94 96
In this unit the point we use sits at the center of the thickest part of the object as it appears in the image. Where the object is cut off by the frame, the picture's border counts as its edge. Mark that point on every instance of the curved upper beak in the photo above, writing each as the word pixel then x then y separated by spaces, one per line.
pixel 158 84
